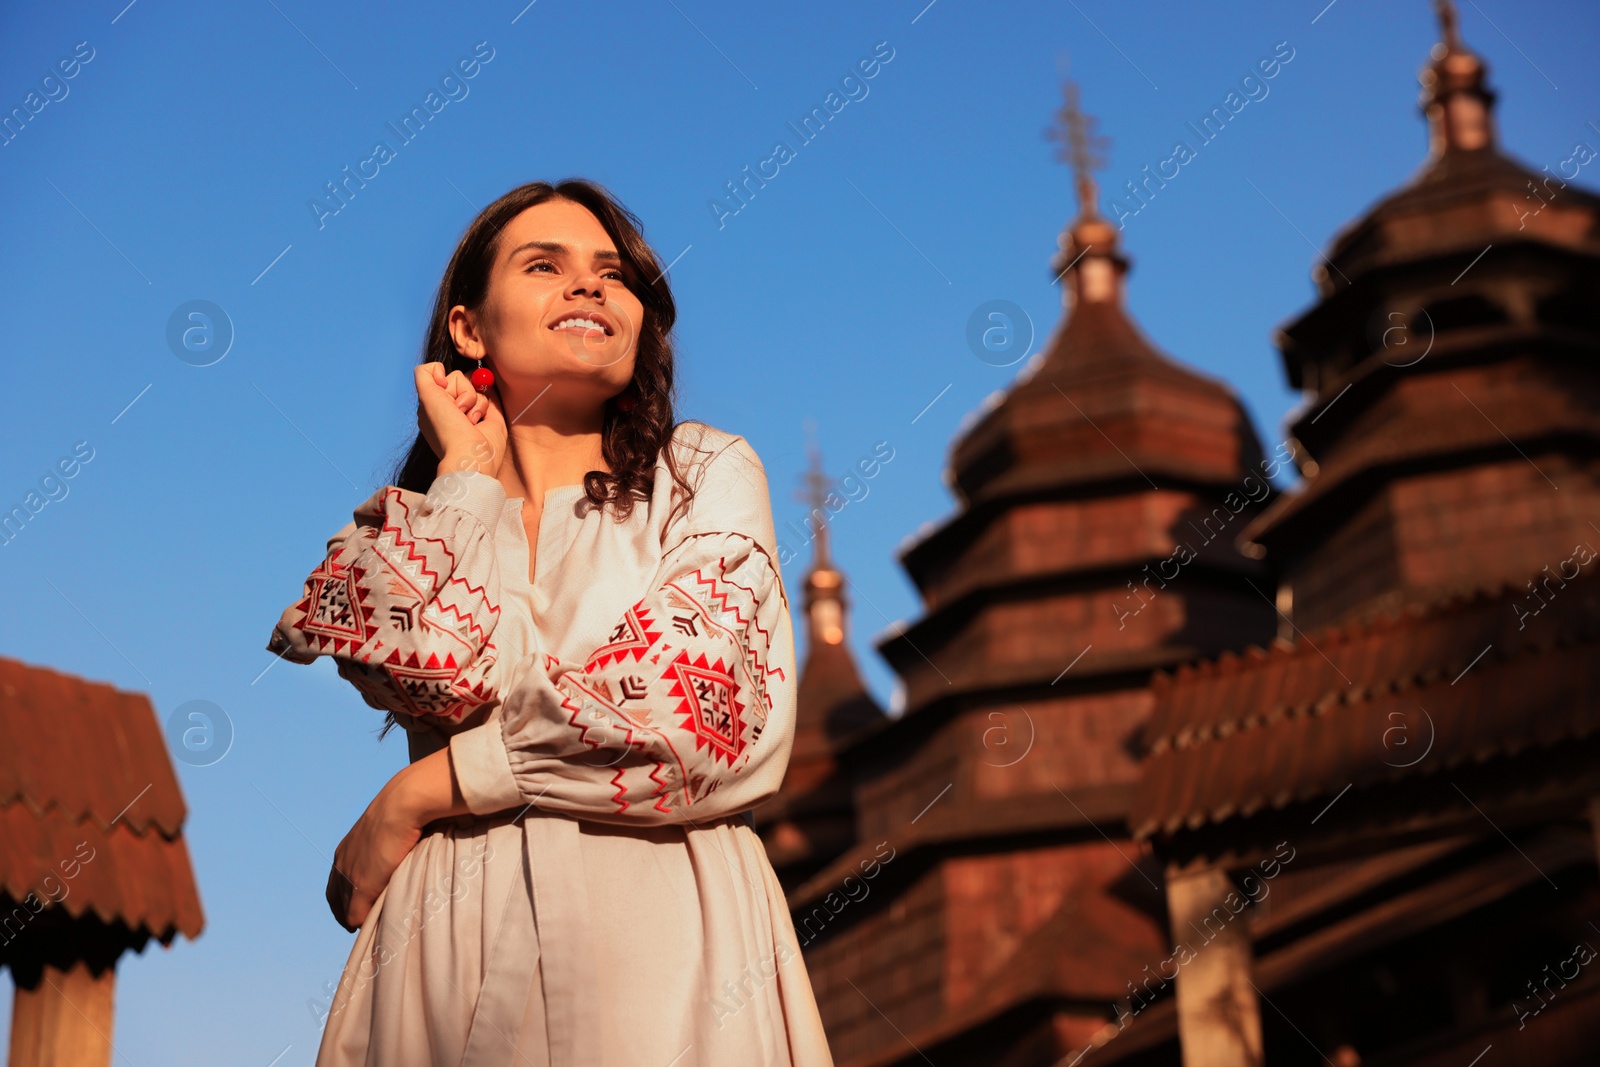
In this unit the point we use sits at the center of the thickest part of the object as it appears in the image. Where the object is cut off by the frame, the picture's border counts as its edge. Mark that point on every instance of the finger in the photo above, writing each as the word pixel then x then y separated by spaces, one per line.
pixel 462 390
pixel 338 898
pixel 492 395
pixel 431 382
pixel 438 404
pixel 479 409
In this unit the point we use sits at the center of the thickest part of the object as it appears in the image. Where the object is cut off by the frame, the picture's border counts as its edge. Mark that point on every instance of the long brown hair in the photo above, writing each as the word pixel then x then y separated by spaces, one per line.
pixel 630 440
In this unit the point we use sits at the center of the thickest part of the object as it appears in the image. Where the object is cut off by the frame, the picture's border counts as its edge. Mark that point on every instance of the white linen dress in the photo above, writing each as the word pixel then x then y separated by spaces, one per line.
pixel 607 904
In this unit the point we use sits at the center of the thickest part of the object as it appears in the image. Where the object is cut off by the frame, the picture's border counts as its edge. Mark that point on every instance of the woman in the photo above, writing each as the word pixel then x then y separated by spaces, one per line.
pixel 573 605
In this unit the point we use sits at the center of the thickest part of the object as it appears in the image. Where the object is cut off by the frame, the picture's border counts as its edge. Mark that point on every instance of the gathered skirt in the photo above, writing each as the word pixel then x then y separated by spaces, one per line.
pixel 536 939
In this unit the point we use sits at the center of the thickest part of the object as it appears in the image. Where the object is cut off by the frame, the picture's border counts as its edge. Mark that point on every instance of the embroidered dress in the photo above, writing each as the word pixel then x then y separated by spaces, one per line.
pixel 611 724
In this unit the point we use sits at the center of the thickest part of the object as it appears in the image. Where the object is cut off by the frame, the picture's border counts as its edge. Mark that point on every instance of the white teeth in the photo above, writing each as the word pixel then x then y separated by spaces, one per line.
pixel 579 324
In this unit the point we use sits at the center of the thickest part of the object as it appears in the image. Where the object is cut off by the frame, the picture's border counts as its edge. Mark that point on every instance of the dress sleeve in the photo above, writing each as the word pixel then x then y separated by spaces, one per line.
pixel 686 711
pixel 406 601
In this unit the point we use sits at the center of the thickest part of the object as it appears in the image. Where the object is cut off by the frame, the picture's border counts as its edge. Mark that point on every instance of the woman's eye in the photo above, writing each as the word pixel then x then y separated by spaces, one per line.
pixel 615 275
pixel 541 263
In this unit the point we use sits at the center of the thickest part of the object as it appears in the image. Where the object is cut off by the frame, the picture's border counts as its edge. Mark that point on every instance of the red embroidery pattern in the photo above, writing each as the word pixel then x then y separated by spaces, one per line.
pixel 709 708
pixel 601 720
pixel 633 635
pixel 692 655
pixel 387 603
pixel 334 608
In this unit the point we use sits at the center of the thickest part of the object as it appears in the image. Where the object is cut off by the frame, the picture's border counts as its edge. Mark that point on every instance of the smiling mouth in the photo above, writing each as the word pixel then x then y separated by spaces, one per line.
pixel 582 324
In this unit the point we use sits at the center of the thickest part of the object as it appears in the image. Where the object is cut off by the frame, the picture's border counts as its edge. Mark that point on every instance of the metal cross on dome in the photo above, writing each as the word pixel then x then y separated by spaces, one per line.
pixel 1080 147
pixel 1449 24
pixel 813 492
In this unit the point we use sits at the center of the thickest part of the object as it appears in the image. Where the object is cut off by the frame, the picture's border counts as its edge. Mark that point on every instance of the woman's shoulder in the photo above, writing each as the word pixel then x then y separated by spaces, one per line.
pixel 728 480
pixel 698 446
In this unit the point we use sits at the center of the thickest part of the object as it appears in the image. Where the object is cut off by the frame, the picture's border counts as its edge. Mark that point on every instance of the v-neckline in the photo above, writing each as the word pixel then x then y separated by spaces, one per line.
pixel 533 547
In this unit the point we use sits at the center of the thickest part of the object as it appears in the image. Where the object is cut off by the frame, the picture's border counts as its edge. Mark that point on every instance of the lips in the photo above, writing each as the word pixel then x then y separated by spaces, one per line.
pixel 584 321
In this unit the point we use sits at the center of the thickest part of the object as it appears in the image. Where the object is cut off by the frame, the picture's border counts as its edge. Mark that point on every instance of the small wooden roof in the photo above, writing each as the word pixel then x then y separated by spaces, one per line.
pixel 89 803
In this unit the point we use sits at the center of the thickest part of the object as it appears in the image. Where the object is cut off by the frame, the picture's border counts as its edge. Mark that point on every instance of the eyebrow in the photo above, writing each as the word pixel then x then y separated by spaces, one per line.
pixel 557 248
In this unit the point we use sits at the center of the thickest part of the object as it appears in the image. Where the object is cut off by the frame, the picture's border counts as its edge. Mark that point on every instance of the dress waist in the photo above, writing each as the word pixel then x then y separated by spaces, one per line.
pixel 483 822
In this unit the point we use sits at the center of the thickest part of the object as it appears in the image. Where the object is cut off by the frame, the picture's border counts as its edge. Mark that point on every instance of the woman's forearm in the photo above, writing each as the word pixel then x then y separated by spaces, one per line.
pixel 427 790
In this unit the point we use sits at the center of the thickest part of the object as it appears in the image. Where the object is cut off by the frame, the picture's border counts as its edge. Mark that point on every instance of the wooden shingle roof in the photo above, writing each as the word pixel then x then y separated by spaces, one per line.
pixel 1476 677
pixel 84 772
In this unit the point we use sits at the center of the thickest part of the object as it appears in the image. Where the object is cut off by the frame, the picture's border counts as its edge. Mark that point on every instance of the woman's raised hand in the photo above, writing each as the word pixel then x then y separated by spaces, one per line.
pixel 466 429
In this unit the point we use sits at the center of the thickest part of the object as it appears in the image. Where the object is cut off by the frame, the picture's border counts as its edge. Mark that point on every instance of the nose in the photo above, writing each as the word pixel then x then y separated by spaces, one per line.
pixel 589 283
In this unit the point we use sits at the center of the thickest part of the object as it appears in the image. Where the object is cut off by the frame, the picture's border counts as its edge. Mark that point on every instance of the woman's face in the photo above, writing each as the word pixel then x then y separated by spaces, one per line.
pixel 558 313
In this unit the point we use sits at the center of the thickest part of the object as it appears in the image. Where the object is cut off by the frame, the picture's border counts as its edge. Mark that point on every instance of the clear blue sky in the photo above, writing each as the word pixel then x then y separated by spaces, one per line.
pixel 180 165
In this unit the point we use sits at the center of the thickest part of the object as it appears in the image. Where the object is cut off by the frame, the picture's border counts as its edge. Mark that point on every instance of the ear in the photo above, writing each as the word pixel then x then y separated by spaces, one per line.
pixel 465 332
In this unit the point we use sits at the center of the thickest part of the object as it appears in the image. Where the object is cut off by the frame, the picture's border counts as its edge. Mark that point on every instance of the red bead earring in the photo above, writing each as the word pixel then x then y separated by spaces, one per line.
pixel 482 378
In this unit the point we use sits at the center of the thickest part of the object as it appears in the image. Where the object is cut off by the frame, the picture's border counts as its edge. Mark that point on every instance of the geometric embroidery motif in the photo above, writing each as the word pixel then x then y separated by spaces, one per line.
pixel 388 603
pixel 431 687
pixel 334 609
pixel 709 705
pixel 631 636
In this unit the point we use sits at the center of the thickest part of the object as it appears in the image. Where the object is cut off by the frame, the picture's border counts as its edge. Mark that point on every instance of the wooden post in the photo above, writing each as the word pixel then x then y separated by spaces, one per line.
pixel 1219 1019
pixel 64 1021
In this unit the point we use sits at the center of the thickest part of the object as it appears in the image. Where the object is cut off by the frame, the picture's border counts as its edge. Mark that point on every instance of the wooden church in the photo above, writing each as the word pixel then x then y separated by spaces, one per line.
pixel 1194 771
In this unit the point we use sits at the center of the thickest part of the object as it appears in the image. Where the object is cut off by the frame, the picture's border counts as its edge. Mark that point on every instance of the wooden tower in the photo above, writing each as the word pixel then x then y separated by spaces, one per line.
pixel 1419 763
pixel 812 820
pixel 996 905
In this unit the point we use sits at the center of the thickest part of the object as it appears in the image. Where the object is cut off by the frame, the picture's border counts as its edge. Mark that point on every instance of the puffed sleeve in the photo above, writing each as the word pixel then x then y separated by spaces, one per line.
pixel 406 601
pixel 686 711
